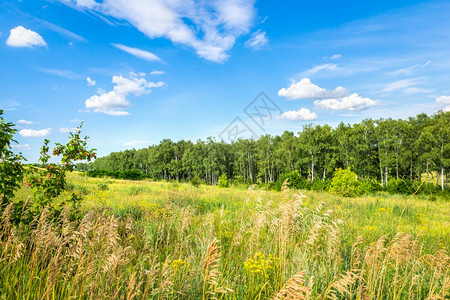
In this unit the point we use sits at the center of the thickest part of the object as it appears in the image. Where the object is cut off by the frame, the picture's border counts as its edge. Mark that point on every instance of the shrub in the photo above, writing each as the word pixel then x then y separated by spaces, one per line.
pixel 344 183
pixel 11 168
pixel 223 181
pixel 102 186
pixel 195 181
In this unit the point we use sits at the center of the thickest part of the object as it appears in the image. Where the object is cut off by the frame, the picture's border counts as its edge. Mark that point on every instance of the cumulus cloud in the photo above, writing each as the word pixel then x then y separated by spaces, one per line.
pixel 22 37
pixel 115 102
pixel 21 146
pixel 257 40
pixel 445 101
pixel 156 72
pixel 90 82
pixel 139 53
pixel 303 114
pixel 34 133
pixel 353 102
pixel 25 122
pixel 136 143
pixel 305 89
pixel 208 27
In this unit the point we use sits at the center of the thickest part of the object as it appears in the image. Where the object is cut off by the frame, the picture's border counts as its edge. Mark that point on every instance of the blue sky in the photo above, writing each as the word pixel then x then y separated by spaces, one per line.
pixel 137 72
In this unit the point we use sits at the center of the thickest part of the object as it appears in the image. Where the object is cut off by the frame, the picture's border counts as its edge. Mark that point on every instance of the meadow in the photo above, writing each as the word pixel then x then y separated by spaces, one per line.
pixel 167 240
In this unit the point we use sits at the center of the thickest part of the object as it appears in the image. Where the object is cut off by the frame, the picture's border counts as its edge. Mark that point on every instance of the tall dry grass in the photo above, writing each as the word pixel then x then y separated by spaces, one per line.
pixel 265 248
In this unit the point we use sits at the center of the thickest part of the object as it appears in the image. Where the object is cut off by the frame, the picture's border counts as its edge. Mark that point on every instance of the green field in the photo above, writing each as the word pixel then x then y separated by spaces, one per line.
pixel 161 240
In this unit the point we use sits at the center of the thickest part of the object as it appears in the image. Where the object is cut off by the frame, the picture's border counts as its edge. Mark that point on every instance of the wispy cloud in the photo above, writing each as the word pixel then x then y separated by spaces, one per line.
pixel 410 70
pixel 400 84
pixel 209 27
pixel 157 72
pixel 257 40
pixel 319 68
pixel 142 54
pixel 25 122
pixel 136 143
pixel 90 82
pixel 21 146
pixel 60 73
pixel 67 130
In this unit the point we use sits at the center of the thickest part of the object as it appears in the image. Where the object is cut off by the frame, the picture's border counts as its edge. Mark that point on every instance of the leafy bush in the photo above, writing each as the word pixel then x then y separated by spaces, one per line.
pixel 223 181
pixel 102 186
pixel 369 186
pixel 344 183
pixel 11 168
pixel 195 181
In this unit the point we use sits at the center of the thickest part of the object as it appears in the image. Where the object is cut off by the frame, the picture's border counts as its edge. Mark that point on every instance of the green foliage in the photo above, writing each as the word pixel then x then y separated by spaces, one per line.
pixel 344 183
pixel 49 181
pixel 195 181
pixel 102 186
pixel 11 168
pixel 223 181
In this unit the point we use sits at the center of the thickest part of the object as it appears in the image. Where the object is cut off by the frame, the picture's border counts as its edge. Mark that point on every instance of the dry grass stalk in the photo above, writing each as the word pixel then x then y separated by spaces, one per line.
pixel 294 288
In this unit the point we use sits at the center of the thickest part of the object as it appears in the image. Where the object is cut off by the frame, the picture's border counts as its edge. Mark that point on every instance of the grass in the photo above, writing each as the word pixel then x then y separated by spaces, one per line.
pixel 159 240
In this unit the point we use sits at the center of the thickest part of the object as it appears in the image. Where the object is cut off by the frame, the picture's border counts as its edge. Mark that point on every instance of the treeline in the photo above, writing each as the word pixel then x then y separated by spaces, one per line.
pixel 416 149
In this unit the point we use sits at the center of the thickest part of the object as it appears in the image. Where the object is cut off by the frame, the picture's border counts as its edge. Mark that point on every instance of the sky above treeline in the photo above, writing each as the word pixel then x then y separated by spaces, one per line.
pixel 136 72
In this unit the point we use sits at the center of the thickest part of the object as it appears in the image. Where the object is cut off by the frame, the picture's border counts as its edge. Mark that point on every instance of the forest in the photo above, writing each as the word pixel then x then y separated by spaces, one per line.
pixel 415 149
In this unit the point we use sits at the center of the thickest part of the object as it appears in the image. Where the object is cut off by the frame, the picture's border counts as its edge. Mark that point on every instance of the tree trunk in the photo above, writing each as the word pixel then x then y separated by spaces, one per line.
pixel 312 168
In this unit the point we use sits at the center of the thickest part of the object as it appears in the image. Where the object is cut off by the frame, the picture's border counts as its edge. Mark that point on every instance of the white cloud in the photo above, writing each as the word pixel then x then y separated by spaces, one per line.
pixel 335 56
pixel 444 100
pixel 142 54
pixel 76 121
pixel 23 146
pixel 22 37
pixel 136 143
pixel 25 122
pixel 400 84
pixel 324 67
pixel 353 102
pixel 257 40
pixel 156 72
pixel 90 82
pixel 416 90
pixel 34 133
pixel 304 89
pixel 61 73
pixel 303 114
pixel 115 102
pixel 67 130
pixel 208 27
pixel 410 70
pixel 86 3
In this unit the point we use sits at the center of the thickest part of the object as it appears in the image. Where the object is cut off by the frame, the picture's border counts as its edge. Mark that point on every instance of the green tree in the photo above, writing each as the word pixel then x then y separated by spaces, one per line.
pixel 11 168
pixel 344 183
